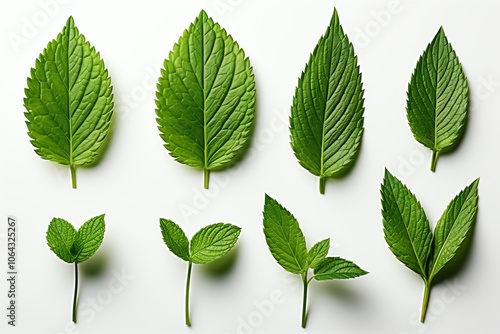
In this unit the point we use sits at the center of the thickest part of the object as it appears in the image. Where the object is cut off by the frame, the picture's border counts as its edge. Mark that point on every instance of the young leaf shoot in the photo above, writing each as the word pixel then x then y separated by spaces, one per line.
pixel 207 245
pixel 326 125
pixel 409 235
pixel 69 101
pixel 74 246
pixel 288 247
pixel 206 98
pixel 438 97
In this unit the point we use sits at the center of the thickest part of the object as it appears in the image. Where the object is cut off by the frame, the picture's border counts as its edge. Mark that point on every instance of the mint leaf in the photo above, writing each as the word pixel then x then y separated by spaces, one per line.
pixel 438 97
pixel 288 246
pixel 60 238
pixel 207 245
pixel 337 268
pixel 284 237
pixel 75 246
pixel 326 124
pixel 206 98
pixel 213 242
pixel 175 239
pixel 408 234
pixel 453 226
pixel 406 227
pixel 318 252
pixel 69 101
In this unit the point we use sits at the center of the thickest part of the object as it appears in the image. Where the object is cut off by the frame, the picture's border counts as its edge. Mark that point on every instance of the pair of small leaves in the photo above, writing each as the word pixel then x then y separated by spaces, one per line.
pixel 69 101
pixel 288 246
pixel 74 246
pixel 206 98
pixel 438 97
pixel 326 123
pixel 409 235
pixel 207 245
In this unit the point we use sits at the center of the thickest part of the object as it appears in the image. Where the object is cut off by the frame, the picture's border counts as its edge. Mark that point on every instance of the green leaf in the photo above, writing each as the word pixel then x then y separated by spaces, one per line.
pixel 284 237
pixel 453 226
pixel 213 242
pixel 318 252
pixel 69 101
pixel 337 268
pixel 326 124
pixel 60 237
pixel 406 227
pixel 438 97
pixel 175 239
pixel 89 238
pixel 206 98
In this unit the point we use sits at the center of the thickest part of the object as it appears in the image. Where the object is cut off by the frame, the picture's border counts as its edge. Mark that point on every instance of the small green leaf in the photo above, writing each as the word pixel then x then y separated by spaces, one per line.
pixel 60 238
pixel 213 242
pixel 326 124
pixel 284 237
pixel 406 227
pixel 69 101
pixel 337 268
pixel 453 226
pixel 175 239
pixel 89 238
pixel 438 97
pixel 206 98
pixel 318 252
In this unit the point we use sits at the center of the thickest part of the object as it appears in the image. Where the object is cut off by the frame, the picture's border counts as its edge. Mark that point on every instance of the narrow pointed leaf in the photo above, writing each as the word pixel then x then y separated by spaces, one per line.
pixel 326 124
pixel 318 252
pixel 89 238
pixel 406 227
pixel 438 97
pixel 337 268
pixel 60 238
pixel 206 98
pixel 453 226
pixel 284 237
pixel 69 101
pixel 175 239
pixel 213 242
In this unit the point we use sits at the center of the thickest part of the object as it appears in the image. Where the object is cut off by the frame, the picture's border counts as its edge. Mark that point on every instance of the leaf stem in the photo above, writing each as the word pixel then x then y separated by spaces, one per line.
pixel 188 282
pixel 425 302
pixel 304 300
pixel 75 296
pixel 206 178
pixel 434 159
pixel 322 182
pixel 73 176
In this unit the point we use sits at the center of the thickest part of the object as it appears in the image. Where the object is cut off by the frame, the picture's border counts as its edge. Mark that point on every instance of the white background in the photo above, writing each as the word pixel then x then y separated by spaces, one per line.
pixel 137 182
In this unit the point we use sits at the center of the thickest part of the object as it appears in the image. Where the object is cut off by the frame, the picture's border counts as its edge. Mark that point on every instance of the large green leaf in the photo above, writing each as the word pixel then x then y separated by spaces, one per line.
pixel 406 227
pixel 326 124
pixel 213 242
pixel 438 97
pixel 69 101
pixel 206 98
pixel 89 238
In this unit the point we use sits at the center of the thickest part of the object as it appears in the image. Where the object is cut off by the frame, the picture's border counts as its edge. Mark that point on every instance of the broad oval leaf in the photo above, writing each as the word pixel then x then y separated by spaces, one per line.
pixel 337 268
pixel 284 237
pixel 213 242
pixel 69 101
pixel 89 238
pixel 318 252
pixel 206 98
pixel 175 239
pixel 453 226
pixel 438 97
pixel 406 227
pixel 60 237
pixel 326 123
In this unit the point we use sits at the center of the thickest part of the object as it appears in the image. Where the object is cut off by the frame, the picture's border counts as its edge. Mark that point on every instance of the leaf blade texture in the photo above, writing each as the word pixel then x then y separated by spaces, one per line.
pixel 406 227
pixel 213 242
pixel 318 253
pixel 326 123
pixel 337 268
pixel 89 238
pixel 174 238
pixel 206 98
pixel 284 237
pixel 69 101
pixel 438 97
pixel 60 237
